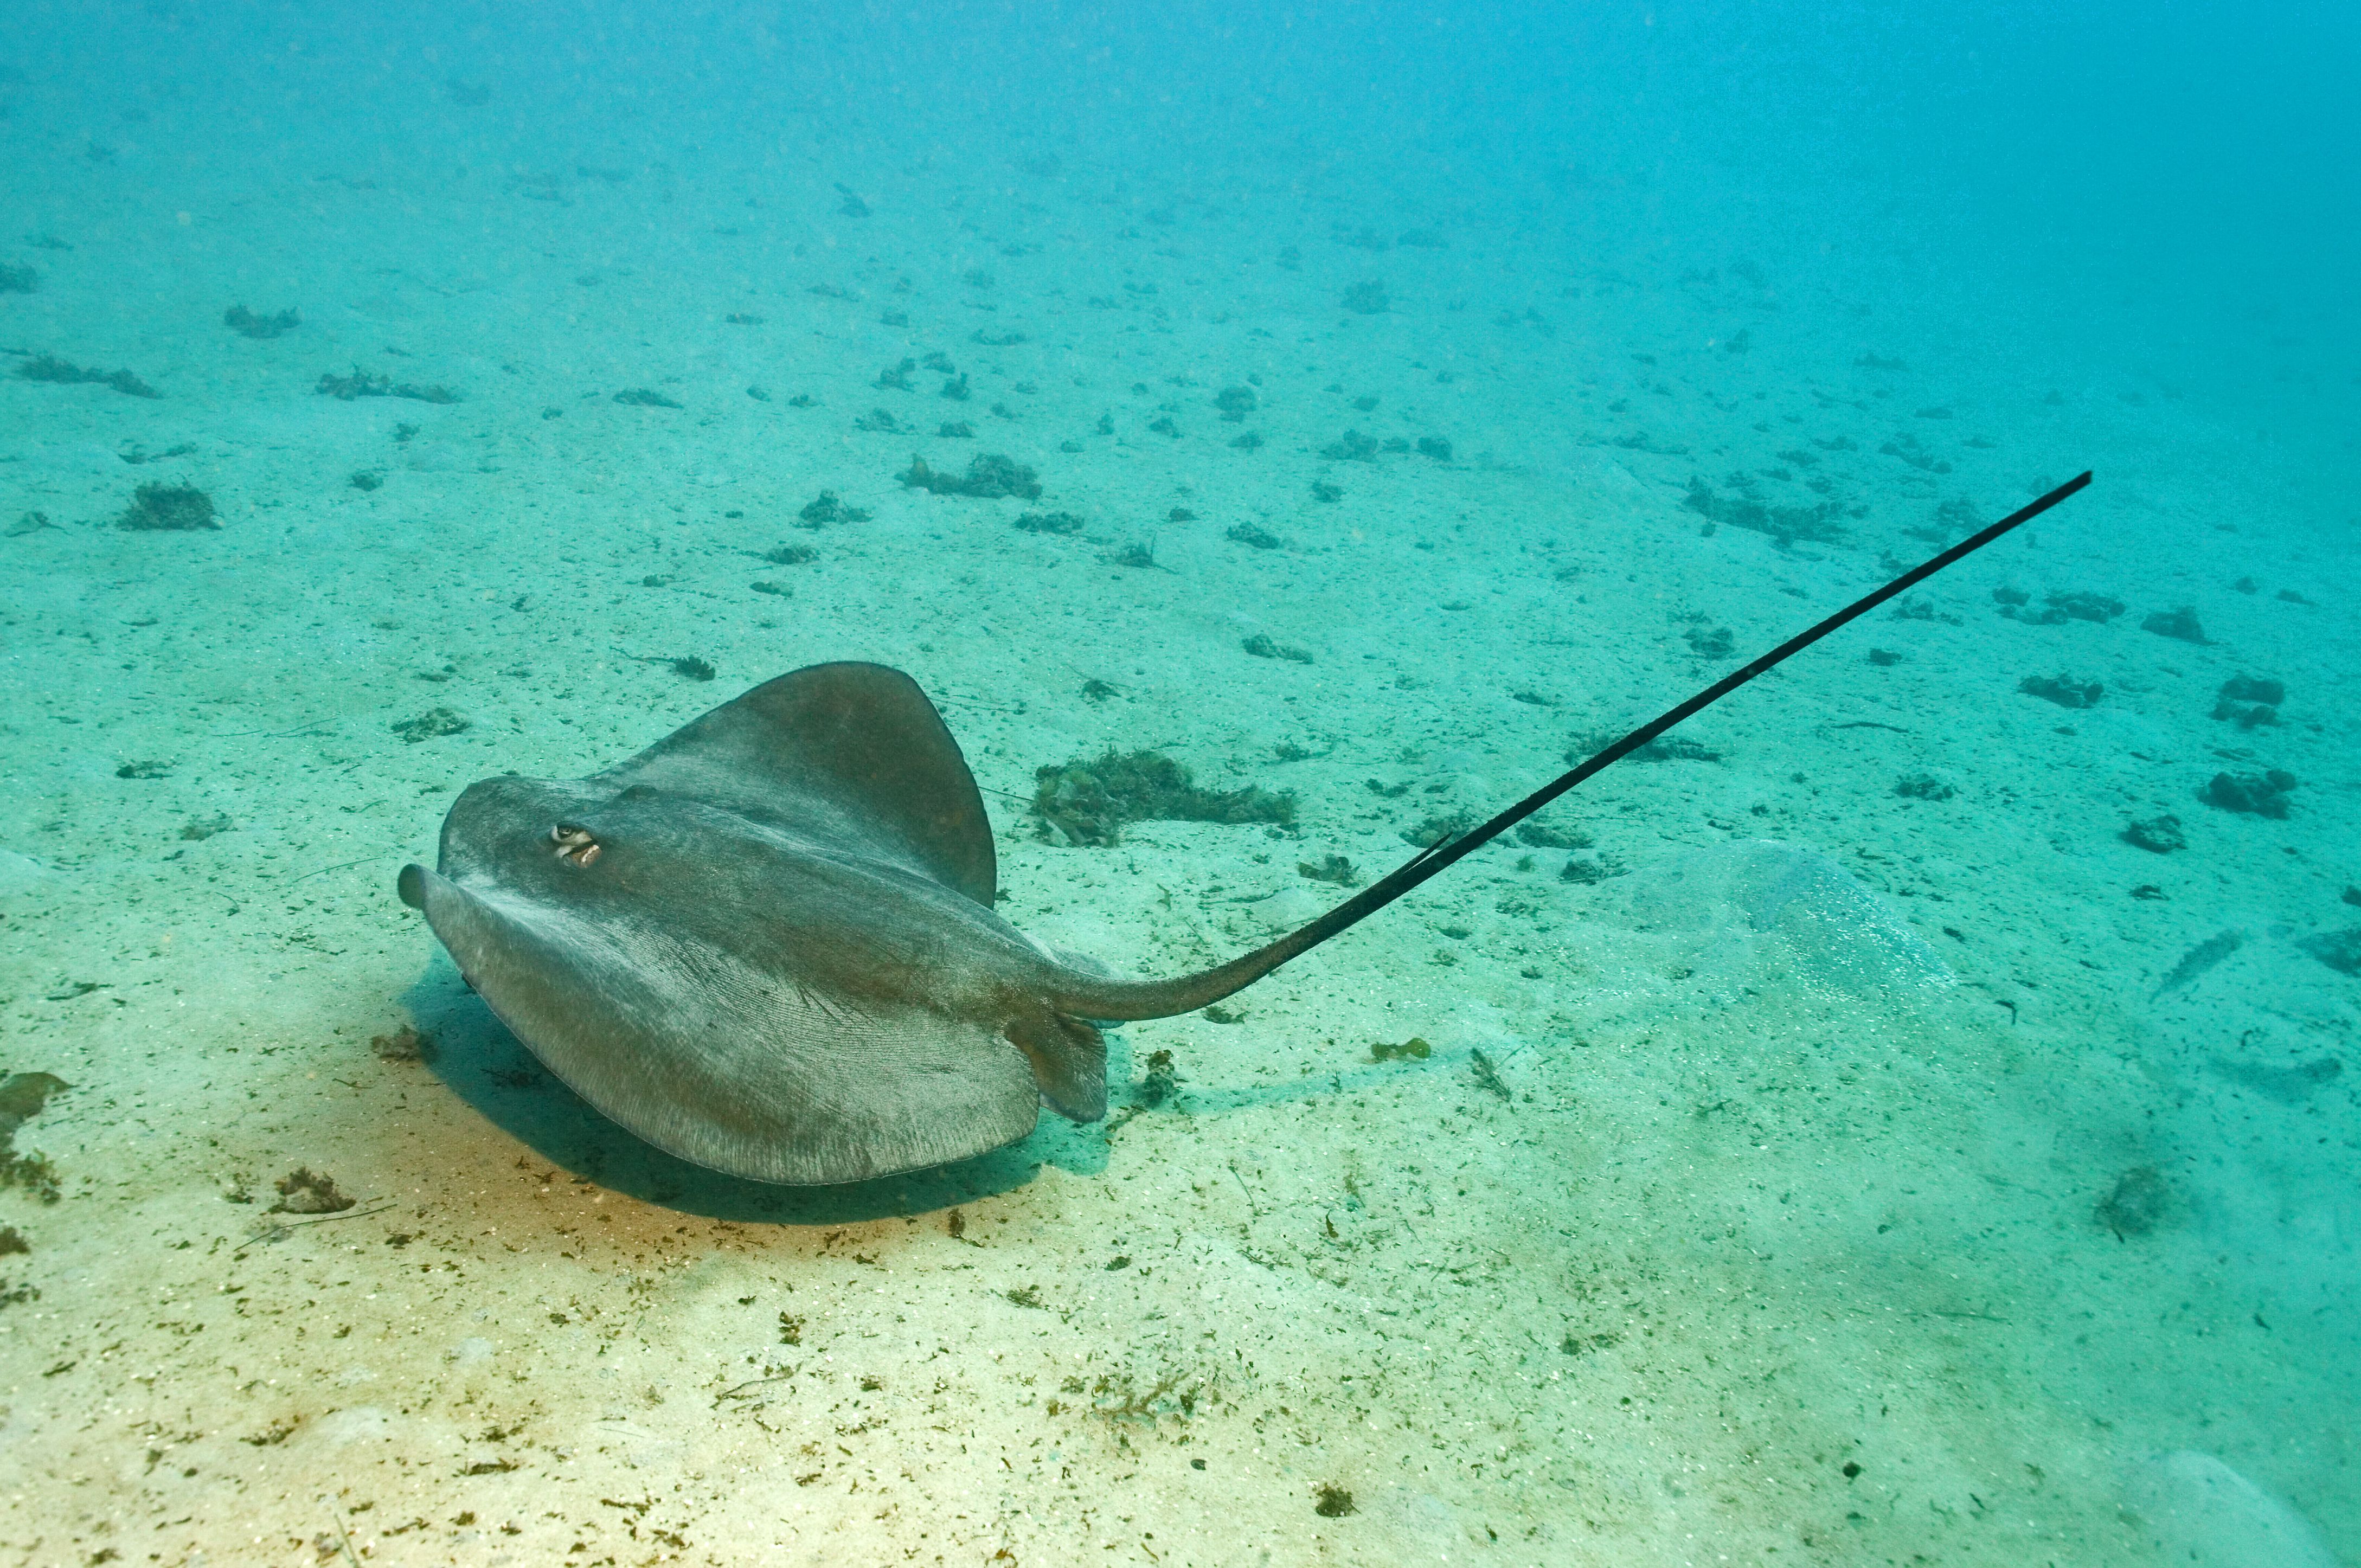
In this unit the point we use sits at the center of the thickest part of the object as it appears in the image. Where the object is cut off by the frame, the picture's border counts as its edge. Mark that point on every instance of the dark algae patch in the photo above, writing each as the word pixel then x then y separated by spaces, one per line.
pixel 360 384
pixel 244 323
pixel 2064 690
pixel 2250 795
pixel 825 509
pixel 66 373
pixel 1089 802
pixel 306 1192
pixel 989 477
pixel 644 398
pixel 22 1096
pixel 2136 1204
pixel 168 508
pixel 434 721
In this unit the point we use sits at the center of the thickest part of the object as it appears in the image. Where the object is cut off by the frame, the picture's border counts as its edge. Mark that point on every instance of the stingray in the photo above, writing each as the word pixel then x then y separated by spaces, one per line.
pixel 766 944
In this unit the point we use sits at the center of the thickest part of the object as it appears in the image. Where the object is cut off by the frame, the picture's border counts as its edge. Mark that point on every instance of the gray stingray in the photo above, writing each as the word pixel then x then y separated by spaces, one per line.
pixel 766 944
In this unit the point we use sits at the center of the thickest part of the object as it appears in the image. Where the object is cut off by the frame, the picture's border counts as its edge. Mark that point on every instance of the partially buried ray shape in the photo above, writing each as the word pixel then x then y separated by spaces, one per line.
pixel 766 944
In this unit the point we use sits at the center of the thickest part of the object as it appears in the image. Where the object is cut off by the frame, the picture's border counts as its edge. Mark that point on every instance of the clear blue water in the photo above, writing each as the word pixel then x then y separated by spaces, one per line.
pixel 1911 1118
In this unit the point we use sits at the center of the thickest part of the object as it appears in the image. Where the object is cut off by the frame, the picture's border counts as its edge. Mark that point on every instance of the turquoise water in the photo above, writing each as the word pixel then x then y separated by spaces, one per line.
pixel 1909 1116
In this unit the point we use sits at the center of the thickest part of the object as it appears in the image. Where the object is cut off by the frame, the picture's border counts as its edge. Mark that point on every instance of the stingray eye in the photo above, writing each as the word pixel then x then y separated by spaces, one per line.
pixel 576 846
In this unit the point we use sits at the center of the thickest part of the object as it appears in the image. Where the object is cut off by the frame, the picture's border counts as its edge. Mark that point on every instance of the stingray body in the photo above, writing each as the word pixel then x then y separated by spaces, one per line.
pixel 766 944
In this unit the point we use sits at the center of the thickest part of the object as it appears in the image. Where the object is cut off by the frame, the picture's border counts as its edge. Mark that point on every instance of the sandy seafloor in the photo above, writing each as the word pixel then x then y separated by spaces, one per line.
pixel 1782 1237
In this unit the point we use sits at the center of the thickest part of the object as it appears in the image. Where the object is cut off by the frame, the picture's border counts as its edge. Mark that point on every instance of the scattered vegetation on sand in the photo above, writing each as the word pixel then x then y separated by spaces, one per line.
pixel 1089 802
pixel 168 508
pixel 65 372
pixel 18 280
pixel 989 477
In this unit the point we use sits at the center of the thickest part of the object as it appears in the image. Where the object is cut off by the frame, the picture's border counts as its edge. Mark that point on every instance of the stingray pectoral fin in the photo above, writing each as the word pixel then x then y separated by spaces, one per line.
pixel 1068 1060
pixel 725 1065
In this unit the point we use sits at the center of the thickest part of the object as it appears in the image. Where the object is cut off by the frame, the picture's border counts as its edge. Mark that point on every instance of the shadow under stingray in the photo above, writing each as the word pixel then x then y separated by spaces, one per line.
pixel 489 1070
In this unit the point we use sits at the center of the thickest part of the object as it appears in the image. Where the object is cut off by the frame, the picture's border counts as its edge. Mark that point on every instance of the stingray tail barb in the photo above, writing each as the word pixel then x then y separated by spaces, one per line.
pixel 1120 1001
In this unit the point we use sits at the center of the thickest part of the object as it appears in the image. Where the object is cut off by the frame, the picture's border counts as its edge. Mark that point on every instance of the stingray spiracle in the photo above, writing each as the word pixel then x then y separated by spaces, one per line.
pixel 575 844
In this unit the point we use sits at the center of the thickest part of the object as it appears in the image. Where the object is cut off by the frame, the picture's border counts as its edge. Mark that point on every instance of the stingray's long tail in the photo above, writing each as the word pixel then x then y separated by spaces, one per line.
pixel 1114 1001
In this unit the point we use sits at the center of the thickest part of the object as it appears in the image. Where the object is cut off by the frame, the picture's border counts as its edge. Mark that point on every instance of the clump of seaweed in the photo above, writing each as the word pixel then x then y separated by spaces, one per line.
pixel 1333 869
pixel 2136 1204
pixel 18 280
pixel 168 508
pixel 644 398
pixel 2177 623
pixel 22 1096
pixel 990 476
pixel 1351 446
pixel 1262 647
pixel 1236 403
pixel 434 721
pixel 66 373
pixel 406 1044
pixel 1663 749
pixel 1541 835
pixel 246 323
pixel 1813 524
pixel 2058 608
pixel 687 666
pixel 825 509
pixel 1060 522
pixel 306 1191
pixel 2249 700
pixel 1253 535
pixel 1332 1502
pixel 1368 299
pixel 2064 690
pixel 1161 1081
pixel 1089 802
pixel 361 384
pixel 2250 795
